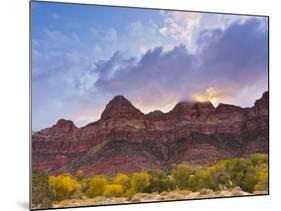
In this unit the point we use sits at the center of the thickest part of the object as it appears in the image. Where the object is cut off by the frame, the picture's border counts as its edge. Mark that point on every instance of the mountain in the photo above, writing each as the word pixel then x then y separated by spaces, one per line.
pixel 126 140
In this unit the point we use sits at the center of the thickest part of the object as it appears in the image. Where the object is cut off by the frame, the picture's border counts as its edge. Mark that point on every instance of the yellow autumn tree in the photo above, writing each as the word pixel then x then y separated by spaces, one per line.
pixel 181 173
pixel 97 186
pixel 63 186
pixel 139 182
pixel 121 179
pixel 113 190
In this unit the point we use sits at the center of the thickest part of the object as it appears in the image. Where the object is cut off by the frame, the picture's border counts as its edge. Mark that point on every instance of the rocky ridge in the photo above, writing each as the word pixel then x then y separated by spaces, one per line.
pixel 125 140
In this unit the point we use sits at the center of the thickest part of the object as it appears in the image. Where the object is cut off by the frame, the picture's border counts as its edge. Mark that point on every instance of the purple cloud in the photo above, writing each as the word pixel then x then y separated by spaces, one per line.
pixel 233 60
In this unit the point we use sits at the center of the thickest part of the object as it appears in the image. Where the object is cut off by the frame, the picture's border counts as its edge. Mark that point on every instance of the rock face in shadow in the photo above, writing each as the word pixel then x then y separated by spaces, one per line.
pixel 126 140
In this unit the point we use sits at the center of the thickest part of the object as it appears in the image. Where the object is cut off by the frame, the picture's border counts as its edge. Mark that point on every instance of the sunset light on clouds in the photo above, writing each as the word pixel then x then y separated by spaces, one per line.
pixel 82 56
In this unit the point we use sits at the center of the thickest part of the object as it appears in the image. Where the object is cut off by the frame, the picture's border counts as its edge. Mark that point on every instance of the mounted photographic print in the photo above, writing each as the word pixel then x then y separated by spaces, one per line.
pixel 135 105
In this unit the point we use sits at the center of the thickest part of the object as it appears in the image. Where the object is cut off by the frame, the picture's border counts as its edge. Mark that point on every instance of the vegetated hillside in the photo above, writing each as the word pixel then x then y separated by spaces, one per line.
pixel 126 140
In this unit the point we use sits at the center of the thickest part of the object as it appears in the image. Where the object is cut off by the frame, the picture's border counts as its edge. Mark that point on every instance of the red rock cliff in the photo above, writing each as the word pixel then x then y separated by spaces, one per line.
pixel 126 140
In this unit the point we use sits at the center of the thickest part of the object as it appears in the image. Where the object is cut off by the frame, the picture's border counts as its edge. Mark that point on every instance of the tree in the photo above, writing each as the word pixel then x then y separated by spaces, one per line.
pixel 259 158
pixel 181 173
pixel 79 175
pixel 63 186
pixel 85 184
pixel 249 173
pixel 113 190
pixel 42 195
pixel 121 179
pixel 262 179
pixel 160 182
pixel 200 180
pixel 139 182
pixel 237 169
pixel 250 179
pixel 97 186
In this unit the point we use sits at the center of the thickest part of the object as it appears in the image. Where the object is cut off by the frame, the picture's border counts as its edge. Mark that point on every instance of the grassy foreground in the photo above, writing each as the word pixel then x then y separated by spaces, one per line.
pixel 235 177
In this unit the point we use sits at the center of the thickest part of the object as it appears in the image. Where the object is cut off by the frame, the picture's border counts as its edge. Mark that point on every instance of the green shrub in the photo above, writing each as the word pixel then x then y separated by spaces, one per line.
pixel 242 173
pixel 238 172
pixel 201 179
pixel 262 179
pixel 42 194
pixel 139 182
pixel 85 185
pixel 181 173
pixel 160 182
pixel 259 158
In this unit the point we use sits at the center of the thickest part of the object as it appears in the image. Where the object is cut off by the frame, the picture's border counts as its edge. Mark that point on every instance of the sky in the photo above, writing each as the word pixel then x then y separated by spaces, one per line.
pixel 84 55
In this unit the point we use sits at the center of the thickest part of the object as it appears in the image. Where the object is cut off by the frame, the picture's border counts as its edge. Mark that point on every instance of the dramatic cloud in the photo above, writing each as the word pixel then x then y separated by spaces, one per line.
pixel 239 54
pixel 228 62
pixel 155 59
pixel 215 96
pixel 181 25
pixel 186 27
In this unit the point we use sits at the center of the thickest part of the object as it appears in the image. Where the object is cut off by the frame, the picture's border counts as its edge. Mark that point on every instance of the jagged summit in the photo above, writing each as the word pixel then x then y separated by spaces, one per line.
pixel 126 140
pixel 64 122
pixel 120 99
pixel 119 107
pixel 63 126
pixel 183 105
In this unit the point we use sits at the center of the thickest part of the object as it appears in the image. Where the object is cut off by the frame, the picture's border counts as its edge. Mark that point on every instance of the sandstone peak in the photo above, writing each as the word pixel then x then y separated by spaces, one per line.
pixel 63 126
pixel 64 122
pixel 181 109
pixel 126 140
pixel 120 99
pixel 119 107
pixel 183 105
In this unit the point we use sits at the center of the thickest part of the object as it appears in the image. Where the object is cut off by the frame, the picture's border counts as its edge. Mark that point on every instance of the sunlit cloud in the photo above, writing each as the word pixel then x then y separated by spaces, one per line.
pixel 154 59
pixel 212 95
pixel 181 26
